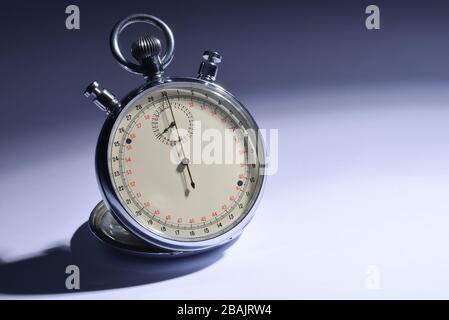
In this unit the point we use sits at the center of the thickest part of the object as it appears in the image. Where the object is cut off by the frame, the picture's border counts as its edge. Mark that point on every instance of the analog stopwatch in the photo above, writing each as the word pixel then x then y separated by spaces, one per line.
pixel 180 161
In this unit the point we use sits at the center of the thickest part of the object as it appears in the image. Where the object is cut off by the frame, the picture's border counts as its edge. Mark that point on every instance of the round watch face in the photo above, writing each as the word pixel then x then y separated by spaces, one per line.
pixel 184 162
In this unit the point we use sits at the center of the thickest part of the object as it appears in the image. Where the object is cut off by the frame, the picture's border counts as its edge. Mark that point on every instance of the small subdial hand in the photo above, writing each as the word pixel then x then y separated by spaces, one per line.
pixel 180 142
pixel 166 129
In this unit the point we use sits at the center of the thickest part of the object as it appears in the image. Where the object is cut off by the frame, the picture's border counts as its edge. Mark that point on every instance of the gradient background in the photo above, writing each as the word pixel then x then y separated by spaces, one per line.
pixel 363 123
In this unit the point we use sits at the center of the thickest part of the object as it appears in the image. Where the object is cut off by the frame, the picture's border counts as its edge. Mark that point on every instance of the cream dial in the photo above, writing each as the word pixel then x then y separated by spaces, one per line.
pixel 170 172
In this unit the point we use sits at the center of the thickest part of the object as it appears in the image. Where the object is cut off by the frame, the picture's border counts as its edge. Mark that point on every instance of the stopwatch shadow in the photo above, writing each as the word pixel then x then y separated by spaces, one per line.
pixel 100 267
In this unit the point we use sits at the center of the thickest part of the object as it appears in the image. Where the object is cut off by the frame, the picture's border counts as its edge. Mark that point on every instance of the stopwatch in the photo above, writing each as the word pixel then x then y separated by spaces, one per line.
pixel 179 161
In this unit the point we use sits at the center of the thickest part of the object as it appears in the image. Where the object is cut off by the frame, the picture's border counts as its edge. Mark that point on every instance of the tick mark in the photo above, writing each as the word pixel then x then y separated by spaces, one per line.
pixel 128 141
pixel 240 183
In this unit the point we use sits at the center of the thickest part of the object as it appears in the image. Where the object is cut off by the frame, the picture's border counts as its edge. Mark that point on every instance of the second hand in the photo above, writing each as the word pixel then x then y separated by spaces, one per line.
pixel 180 141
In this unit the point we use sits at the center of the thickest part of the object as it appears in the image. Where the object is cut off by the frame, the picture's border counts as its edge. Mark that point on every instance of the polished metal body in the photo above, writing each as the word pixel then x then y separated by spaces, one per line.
pixel 106 186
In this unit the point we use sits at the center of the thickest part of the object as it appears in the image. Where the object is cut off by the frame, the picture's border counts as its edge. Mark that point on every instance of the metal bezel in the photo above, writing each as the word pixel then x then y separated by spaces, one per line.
pixel 111 199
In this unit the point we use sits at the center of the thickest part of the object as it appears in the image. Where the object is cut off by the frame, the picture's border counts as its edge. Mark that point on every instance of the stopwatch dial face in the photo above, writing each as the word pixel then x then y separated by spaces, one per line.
pixel 183 163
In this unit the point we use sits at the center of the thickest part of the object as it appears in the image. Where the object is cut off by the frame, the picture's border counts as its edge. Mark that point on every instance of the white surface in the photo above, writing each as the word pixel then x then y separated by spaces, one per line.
pixel 363 181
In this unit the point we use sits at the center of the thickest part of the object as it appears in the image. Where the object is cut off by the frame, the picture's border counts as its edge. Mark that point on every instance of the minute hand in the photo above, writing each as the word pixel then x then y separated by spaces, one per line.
pixel 180 142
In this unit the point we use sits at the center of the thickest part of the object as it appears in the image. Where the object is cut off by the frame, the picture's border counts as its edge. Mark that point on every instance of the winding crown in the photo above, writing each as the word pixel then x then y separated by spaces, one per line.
pixel 146 47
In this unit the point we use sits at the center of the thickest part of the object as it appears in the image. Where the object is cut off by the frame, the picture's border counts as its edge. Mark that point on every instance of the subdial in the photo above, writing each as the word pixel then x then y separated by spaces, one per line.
pixel 164 126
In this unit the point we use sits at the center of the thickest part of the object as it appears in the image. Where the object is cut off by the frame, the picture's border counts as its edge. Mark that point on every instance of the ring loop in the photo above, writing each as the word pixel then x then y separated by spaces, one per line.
pixel 145 18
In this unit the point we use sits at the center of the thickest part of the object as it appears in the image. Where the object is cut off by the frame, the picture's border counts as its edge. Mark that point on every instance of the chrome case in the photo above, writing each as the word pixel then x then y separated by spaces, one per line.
pixel 147 51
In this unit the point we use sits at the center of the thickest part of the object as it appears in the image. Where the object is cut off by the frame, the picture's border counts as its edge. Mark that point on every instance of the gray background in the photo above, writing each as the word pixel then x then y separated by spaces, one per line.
pixel 363 151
